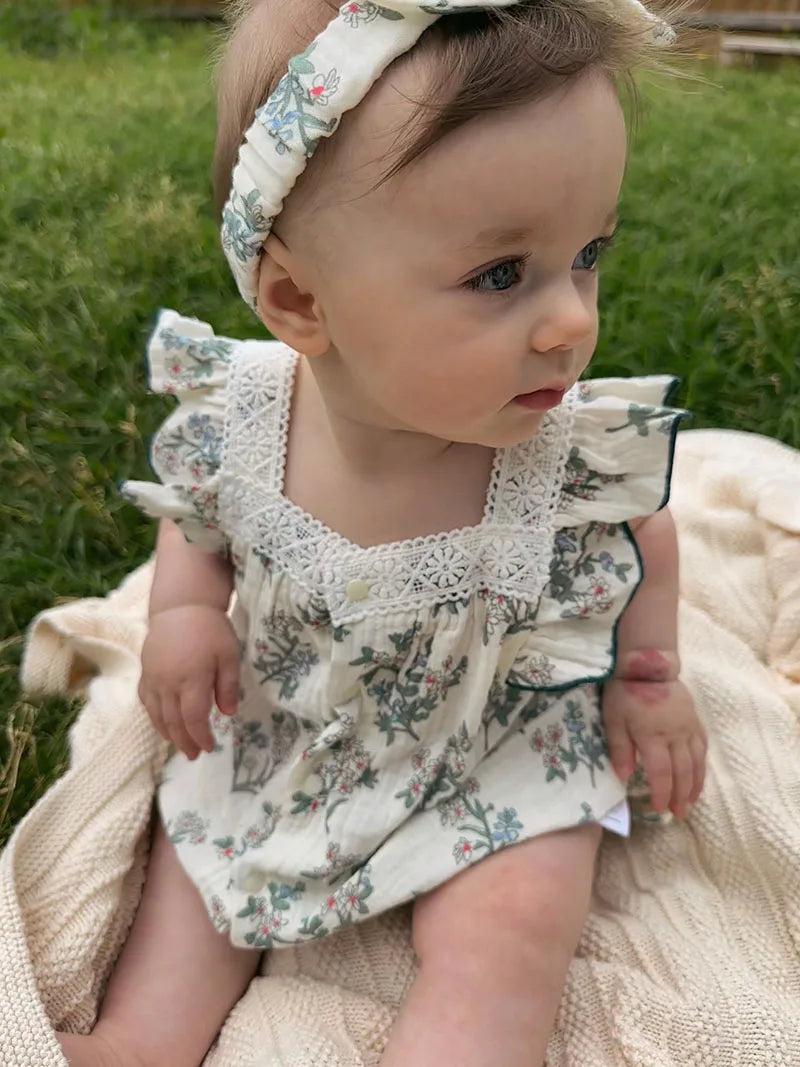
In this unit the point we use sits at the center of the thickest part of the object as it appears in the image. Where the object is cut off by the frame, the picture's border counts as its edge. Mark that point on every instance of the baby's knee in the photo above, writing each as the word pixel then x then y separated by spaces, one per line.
pixel 531 897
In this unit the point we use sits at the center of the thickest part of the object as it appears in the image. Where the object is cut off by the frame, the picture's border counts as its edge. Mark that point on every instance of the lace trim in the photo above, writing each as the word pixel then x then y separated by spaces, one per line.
pixel 509 551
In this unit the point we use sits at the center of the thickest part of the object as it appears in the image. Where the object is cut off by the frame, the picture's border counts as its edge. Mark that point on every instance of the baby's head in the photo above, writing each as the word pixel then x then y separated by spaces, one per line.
pixel 435 259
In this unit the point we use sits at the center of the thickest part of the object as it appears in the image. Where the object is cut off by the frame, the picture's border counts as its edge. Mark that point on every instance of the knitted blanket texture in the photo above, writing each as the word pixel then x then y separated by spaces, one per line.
pixel 690 956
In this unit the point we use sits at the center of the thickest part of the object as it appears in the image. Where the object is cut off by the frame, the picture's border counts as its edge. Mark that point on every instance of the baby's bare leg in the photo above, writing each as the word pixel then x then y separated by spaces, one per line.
pixel 494 945
pixel 174 983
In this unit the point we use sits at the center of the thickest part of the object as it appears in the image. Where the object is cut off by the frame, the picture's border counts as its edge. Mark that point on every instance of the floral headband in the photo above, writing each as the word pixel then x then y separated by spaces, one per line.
pixel 330 77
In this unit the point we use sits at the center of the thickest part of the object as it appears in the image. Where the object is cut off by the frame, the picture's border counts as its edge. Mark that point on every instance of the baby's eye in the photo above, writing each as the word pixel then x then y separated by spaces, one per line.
pixel 499 278
pixel 588 256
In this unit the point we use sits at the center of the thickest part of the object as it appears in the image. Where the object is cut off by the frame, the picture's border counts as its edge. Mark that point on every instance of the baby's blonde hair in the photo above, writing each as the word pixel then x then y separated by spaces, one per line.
pixel 475 62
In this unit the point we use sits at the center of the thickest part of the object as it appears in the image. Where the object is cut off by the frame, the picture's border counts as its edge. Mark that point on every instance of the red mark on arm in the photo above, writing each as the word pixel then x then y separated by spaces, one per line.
pixel 646 693
pixel 649 665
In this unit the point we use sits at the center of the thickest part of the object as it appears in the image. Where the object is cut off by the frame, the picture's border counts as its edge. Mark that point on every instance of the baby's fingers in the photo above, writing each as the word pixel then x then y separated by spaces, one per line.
pixel 195 713
pixel 621 750
pixel 657 764
pixel 698 748
pixel 178 734
pixel 226 687
pixel 152 705
pixel 682 778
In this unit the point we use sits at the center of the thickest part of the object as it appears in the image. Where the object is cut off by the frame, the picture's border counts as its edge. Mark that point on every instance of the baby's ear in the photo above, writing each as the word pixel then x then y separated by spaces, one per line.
pixel 286 305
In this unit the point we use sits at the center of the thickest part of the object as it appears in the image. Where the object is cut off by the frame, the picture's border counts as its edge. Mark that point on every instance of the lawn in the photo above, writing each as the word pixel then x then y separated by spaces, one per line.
pixel 105 216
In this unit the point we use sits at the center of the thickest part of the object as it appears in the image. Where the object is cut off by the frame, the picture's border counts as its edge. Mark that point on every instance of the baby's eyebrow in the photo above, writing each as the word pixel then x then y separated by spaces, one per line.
pixel 496 236
pixel 499 236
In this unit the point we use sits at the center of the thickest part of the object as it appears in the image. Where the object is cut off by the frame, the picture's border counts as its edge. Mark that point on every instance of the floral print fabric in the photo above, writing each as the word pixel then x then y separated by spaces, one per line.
pixel 387 737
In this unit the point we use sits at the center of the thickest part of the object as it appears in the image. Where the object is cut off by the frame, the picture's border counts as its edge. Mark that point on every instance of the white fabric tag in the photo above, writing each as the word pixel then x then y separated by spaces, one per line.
pixel 618 819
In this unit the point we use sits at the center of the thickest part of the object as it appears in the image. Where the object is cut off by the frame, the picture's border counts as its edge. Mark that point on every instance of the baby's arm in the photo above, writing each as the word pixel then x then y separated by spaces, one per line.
pixel 647 710
pixel 191 653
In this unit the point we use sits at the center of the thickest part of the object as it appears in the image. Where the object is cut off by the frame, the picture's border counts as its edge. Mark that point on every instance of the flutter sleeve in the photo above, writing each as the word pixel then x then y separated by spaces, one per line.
pixel 618 469
pixel 187 360
pixel 620 460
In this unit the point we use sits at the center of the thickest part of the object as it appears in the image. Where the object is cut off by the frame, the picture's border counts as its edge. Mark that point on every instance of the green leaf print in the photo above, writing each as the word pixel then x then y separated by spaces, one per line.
pixel 640 416
pixel 578 570
pixel 572 743
pixel 407 687
pixel 282 655
pixel 300 63
pixel 258 751
pixel 346 770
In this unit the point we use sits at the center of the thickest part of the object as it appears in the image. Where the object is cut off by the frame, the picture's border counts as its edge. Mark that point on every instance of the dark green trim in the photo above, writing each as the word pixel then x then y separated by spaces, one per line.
pixel 597 679
pixel 681 415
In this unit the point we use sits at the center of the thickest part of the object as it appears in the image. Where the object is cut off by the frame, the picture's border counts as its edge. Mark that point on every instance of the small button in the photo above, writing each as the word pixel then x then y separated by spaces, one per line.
pixel 357 590
pixel 252 880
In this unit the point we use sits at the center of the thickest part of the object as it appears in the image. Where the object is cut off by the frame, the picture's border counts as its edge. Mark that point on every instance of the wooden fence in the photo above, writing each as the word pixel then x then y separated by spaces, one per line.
pixel 711 8
pixel 754 16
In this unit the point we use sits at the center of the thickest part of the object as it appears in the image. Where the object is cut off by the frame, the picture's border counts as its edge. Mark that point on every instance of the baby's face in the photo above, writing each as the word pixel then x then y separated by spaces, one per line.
pixel 466 281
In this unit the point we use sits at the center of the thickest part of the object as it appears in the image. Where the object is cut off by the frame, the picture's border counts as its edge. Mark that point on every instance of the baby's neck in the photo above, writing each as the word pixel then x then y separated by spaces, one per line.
pixel 366 445
pixel 373 484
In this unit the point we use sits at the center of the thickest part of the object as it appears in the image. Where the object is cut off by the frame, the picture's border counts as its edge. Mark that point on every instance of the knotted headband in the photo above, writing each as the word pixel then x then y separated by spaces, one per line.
pixel 329 78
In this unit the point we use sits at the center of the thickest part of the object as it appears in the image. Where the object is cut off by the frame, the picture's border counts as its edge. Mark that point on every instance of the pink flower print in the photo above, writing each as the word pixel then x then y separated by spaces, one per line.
pixel 552 759
pixel 189 825
pixel 175 368
pixel 416 786
pixel 420 759
pixel 273 921
pixel 451 811
pixel 554 735
pixel 600 588
pixel 462 850
pixel 349 902
pixel 537 741
pixel 219 916
pixel 222 724
pixel 324 87
pixel 355 14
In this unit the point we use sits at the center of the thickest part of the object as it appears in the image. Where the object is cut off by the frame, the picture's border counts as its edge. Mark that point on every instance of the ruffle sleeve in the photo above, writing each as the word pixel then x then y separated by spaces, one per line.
pixel 186 359
pixel 620 460
pixel 618 468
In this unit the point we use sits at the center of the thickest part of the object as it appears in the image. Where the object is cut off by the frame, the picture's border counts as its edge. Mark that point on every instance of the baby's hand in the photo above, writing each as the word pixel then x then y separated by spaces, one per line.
pixel 656 721
pixel 190 658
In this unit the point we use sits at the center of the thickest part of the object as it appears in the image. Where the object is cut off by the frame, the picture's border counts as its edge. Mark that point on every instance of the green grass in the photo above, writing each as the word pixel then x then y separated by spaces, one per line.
pixel 105 216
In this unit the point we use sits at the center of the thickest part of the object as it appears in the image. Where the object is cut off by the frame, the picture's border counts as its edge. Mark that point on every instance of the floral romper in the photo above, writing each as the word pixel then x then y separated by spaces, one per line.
pixel 410 708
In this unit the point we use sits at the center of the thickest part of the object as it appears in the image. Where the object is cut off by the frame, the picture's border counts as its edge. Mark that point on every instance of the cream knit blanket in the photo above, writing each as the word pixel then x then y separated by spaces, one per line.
pixel 691 954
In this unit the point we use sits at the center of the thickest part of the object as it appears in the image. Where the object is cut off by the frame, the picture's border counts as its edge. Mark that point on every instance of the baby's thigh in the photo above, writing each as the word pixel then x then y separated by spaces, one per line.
pixel 534 895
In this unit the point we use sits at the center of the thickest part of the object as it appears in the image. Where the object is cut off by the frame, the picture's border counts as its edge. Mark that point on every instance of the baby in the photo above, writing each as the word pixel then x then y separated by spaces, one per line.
pixel 444 546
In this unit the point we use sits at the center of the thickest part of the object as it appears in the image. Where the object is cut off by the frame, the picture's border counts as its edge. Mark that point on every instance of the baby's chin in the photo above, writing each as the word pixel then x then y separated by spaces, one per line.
pixel 510 435
pixel 526 425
